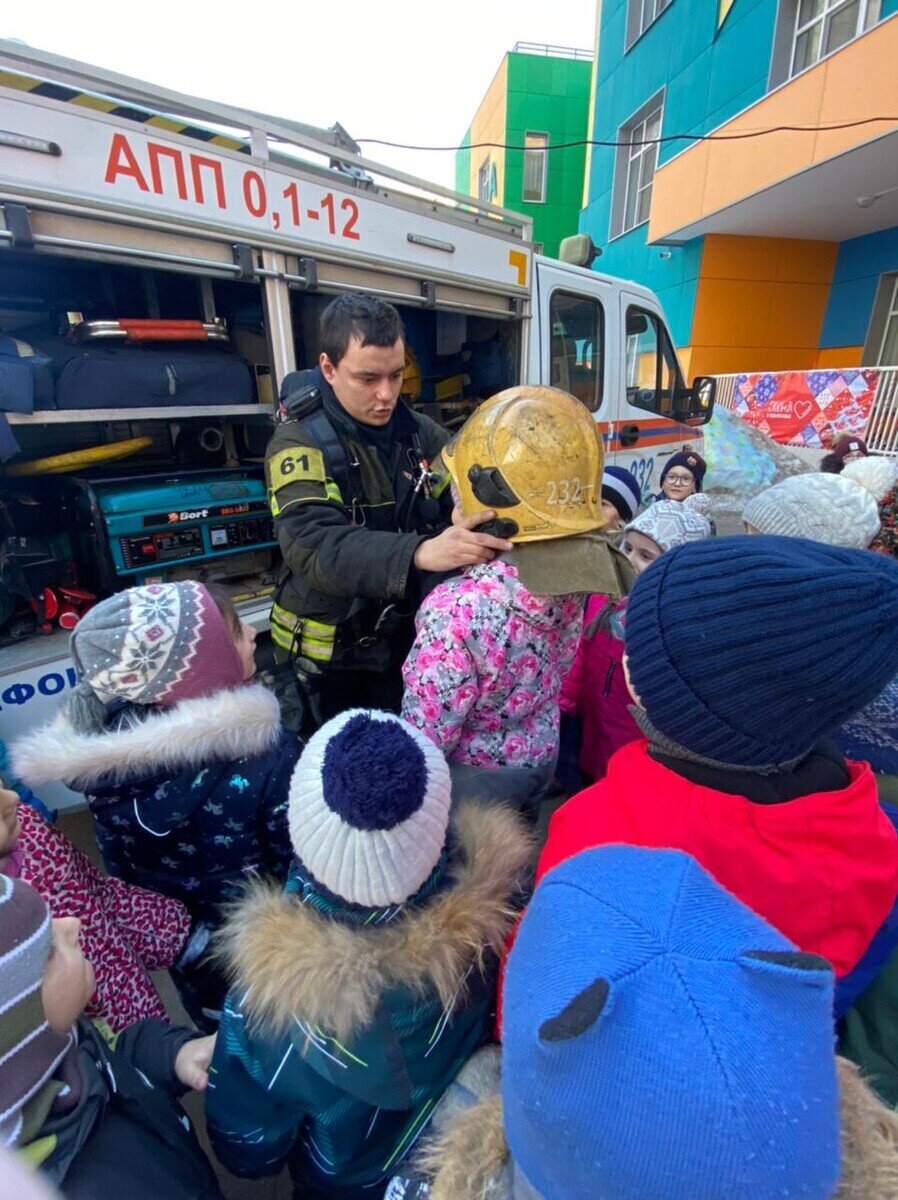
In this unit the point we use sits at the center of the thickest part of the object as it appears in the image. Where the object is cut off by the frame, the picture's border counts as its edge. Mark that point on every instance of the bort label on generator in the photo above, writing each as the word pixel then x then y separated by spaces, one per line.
pixel 154 520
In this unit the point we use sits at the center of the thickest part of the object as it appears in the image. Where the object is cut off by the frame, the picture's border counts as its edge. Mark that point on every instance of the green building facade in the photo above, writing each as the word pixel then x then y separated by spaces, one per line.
pixel 538 99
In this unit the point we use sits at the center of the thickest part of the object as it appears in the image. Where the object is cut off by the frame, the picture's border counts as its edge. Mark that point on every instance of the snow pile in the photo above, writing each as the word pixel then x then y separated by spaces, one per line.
pixel 742 461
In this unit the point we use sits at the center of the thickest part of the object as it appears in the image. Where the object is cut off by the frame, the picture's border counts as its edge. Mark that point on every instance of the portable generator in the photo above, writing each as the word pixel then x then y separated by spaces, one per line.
pixel 212 525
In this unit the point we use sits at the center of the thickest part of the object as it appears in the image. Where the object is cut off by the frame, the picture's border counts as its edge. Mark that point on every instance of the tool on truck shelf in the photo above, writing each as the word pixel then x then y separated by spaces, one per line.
pixel 38 580
pixel 146 330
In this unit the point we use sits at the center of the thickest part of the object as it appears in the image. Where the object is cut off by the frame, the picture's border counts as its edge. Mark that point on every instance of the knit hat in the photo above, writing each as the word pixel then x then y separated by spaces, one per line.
pixel 848 444
pixel 158 644
pixel 670 523
pixel 619 486
pixel 30 1051
pixel 876 474
pixel 369 807
pixel 724 644
pixel 691 461
pixel 661 1040
pixel 839 510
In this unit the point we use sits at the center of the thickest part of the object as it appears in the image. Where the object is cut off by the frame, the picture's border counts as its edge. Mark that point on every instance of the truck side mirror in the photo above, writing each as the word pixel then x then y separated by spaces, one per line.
pixel 694 406
pixel 579 250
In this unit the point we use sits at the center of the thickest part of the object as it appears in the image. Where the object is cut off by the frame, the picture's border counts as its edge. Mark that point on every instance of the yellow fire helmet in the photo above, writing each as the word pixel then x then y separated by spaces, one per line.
pixel 534 455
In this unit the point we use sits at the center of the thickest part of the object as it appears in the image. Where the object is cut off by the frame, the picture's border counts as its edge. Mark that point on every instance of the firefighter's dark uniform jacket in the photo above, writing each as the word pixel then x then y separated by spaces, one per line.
pixel 348 524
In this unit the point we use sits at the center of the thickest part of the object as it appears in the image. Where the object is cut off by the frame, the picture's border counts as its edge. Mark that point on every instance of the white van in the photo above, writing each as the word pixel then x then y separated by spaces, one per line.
pixel 124 206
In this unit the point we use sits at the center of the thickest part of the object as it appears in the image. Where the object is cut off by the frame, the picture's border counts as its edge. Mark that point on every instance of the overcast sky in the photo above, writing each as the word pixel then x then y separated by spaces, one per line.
pixel 404 70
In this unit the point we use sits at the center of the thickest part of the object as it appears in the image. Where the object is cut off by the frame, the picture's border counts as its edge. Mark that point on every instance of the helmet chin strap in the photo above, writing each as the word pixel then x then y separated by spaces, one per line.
pixel 500 527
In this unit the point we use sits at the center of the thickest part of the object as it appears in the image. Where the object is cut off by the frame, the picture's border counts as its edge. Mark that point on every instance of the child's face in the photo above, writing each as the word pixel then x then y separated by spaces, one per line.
pixel 749 528
pixel 245 641
pixel 10 825
pixel 68 981
pixel 678 484
pixel 640 550
pixel 611 516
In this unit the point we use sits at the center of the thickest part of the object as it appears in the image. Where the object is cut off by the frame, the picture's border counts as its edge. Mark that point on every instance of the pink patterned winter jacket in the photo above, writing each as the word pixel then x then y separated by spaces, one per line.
pixel 126 931
pixel 483 677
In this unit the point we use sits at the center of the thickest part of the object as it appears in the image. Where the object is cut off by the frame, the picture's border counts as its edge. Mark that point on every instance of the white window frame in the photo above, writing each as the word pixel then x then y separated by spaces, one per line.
pixel 485 176
pixel 634 162
pixel 642 15
pixel 541 154
pixel 890 316
pixel 865 10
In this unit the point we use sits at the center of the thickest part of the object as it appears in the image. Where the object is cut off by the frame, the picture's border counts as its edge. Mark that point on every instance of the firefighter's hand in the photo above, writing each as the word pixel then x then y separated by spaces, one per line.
pixel 460 546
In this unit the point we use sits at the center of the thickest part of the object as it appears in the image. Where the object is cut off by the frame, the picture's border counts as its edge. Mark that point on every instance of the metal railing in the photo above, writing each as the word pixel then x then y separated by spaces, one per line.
pixel 553 51
pixel 881 432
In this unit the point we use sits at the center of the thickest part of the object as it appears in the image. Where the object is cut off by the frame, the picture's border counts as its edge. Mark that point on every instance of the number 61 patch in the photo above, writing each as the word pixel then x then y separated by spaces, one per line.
pixel 299 464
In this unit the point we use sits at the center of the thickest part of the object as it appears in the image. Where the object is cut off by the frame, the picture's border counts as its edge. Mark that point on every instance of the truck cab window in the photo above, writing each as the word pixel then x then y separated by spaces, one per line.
pixel 578 347
pixel 653 375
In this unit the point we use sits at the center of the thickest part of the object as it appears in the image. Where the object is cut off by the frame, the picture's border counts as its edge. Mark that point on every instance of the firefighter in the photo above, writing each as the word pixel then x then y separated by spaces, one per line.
pixel 362 520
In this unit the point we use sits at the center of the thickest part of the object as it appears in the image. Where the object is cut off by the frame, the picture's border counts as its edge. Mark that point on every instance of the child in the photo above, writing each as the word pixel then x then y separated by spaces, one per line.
pixel 183 762
pixel 662 1042
pixel 595 689
pixel 360 990
pixel 126 931
pixel 683 475
pixel 97 1115
pixel 846 449
pixel 737 690
pixel 839 510
pixel 494 643
pixel 621 497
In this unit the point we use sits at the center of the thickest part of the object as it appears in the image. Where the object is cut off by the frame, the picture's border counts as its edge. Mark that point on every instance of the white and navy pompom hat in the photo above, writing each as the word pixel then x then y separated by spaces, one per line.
pixel 369 807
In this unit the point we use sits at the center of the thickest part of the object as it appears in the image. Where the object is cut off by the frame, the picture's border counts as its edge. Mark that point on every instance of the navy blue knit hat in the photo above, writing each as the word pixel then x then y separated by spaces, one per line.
pixel 691 461
pixel 749 650
pixel 369 807
pixel 660 1040
pixel 620 488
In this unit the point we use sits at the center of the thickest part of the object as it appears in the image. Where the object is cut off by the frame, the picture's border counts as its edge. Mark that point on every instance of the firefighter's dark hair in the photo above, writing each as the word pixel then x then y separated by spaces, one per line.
pixel 372 321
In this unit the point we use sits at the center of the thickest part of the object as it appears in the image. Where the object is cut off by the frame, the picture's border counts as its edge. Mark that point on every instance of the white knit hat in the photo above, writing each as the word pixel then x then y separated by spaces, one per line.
pixel 672 523
pixel 369 807
pixel 876 474
pixel 838 510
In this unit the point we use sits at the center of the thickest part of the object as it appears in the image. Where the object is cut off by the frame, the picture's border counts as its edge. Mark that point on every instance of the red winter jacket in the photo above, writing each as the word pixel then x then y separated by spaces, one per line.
pixel 596 691
pixel 823 869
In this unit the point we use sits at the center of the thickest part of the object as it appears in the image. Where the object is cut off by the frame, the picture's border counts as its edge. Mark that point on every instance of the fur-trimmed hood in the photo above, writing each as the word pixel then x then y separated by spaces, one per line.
pixel 289 960
pixel 469 1160
pixel 228 725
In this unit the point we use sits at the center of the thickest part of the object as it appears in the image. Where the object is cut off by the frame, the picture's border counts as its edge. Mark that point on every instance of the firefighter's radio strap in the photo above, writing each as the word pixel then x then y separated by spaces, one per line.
pixel 330 464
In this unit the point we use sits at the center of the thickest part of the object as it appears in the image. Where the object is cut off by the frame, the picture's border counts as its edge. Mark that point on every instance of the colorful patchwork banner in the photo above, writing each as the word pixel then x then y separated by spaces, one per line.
pixel 806 408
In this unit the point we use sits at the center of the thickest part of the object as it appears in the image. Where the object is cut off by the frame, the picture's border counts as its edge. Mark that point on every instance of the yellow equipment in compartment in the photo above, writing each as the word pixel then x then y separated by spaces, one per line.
pixel 77 460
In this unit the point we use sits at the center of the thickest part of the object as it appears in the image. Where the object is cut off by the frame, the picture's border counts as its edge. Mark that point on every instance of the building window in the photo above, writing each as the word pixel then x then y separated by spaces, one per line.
pixel 640 15
pixel 535 167
pixel 822 26
pixel 888 350
pixel 637 157
pixel 881 347
pixel 486 181
pixel 578 347
pixel 808 30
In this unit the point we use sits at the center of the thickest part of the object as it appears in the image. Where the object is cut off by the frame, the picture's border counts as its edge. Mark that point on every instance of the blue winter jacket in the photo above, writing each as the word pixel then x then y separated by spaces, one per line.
pixel 344 1028
pixel 187 800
